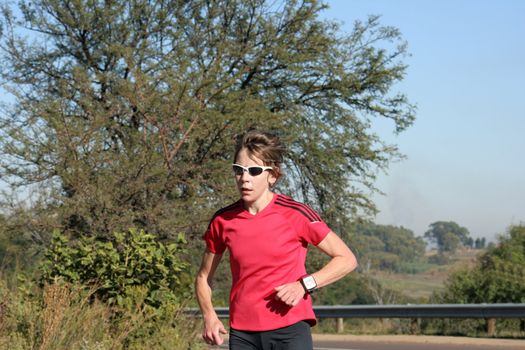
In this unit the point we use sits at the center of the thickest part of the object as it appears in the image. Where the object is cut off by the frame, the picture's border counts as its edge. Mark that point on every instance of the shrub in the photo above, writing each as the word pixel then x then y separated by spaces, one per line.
pixel 131 259
pixel 497 277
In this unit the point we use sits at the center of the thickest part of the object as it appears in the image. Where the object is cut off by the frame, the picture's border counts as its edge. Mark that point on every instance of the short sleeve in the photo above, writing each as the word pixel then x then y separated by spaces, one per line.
pixel 314 229
pixel 214 238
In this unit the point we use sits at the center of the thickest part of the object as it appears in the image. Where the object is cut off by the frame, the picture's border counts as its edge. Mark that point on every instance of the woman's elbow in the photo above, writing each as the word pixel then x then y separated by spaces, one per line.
pixel 202 279
pixel 350 263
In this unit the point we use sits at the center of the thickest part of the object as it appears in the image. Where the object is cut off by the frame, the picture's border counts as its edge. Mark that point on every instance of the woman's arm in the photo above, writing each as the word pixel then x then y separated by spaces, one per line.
pixel 342 262
pixel 213 327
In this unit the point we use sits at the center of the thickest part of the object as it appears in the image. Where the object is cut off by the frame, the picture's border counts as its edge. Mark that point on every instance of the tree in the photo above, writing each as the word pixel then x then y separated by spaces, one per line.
pixel 447 235
pixel 126 111
pixel 469 242
pixel 385 246
pixel 480 243
pixel 498 276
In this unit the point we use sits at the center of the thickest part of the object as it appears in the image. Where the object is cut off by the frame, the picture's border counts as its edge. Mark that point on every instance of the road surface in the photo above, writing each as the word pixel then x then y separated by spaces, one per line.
pixel 402 342
pixel 381 342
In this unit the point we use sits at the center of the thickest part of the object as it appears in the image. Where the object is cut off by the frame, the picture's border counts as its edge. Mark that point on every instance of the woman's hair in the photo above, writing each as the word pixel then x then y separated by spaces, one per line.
pixel 263 145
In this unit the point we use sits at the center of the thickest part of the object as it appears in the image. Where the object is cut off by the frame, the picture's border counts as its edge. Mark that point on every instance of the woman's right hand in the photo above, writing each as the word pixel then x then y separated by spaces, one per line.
pixel 213 328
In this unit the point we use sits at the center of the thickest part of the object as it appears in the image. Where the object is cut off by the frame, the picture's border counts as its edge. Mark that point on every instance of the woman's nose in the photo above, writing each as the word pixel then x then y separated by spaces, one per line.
pixel 245 175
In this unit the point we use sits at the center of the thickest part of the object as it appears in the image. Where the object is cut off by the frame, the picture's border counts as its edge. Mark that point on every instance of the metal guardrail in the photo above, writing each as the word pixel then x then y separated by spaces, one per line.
pixel 422 311
pixel 410 311
pixel 489 312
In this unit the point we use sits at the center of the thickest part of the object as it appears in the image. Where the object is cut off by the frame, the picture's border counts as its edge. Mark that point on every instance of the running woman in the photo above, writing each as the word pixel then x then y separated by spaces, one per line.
pixel 267 236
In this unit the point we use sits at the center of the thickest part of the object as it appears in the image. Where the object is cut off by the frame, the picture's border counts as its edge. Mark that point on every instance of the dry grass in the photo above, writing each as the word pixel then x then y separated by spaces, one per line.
pixel 64 316
pixel 57 299
pixel 421 286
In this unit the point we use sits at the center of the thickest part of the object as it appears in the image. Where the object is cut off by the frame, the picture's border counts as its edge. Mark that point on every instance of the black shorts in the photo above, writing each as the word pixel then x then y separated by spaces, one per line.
pixel 294 337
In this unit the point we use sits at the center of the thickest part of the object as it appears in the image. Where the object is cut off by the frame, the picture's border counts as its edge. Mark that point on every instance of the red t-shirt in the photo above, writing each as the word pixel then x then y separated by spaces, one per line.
pixel 266 250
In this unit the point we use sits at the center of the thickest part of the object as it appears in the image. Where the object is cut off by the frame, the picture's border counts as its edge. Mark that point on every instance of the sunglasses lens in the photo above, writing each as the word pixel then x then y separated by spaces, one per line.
pixel 252 170
pixel 255 170
pixel 238 170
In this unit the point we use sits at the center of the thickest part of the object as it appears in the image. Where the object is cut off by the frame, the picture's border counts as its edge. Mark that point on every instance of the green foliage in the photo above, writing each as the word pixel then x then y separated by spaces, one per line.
pixel 447 235
pixel 352 290
pixel 357 288
pixel 117 267
pixel 382 247
pixel 416 266
pixel 126 112
pixel 498 277
pixel 439 259
pixel 386 247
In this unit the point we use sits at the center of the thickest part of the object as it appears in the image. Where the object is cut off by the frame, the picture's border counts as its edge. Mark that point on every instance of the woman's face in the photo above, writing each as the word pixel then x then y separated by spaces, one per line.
pixel 252 188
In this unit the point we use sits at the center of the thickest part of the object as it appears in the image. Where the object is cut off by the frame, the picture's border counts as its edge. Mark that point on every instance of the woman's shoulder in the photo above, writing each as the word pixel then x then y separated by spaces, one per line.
pixel 296 208
pixel 231 208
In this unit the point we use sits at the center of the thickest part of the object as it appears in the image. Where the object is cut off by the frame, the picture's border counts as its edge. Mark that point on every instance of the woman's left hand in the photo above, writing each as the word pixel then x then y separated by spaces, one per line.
pixel 290 293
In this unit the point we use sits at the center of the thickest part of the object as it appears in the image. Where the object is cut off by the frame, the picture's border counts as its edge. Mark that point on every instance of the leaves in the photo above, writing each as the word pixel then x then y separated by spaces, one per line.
pixel 448 235
pixel 128 110
pixel 386 247
pixel 498 277
pixel 132 259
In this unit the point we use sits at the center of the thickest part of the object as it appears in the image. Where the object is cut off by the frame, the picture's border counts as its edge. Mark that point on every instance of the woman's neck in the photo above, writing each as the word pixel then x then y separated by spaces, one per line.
pixel 261 203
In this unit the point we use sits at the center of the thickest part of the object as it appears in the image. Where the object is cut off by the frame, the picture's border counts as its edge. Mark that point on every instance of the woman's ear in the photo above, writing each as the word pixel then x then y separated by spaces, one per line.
pixel 273 177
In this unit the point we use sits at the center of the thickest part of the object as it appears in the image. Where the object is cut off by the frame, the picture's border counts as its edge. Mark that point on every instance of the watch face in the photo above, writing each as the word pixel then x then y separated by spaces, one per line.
pixel 309 282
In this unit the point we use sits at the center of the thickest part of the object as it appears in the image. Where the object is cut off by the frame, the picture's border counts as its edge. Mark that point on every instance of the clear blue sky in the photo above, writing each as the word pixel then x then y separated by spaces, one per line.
pixel 466 75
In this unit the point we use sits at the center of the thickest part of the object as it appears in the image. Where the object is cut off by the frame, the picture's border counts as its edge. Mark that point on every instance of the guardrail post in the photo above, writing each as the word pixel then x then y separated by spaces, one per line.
pixel 340 325
pixel 491 327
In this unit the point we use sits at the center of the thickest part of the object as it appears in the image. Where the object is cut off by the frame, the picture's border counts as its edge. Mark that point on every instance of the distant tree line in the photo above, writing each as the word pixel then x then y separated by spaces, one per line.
pixel 448 236
pixel 398 249
pixel 386 247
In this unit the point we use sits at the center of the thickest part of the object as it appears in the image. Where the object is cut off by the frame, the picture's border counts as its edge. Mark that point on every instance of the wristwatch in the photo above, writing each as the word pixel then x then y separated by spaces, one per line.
pixel 309 284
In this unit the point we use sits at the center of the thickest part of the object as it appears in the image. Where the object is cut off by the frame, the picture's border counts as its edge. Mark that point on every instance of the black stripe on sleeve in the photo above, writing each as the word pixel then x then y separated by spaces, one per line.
pixel 312 214
pixel 230 207
pixel 296 208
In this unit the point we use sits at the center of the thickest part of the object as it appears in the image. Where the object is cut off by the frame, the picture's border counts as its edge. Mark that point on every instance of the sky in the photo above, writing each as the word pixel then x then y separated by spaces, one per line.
pixel 465 157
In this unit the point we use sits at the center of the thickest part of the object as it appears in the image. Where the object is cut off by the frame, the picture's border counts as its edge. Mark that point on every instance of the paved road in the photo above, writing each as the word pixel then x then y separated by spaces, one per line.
pixel 327 342
pixel 349 342
pixel 406 346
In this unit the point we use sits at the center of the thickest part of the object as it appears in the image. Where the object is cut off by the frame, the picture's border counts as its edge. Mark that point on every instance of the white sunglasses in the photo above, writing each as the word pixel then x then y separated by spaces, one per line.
pixel 253 170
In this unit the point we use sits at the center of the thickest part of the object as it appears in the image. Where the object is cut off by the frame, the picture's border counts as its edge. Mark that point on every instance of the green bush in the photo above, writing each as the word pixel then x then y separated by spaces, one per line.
pixel 116 267
pixel 497 277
